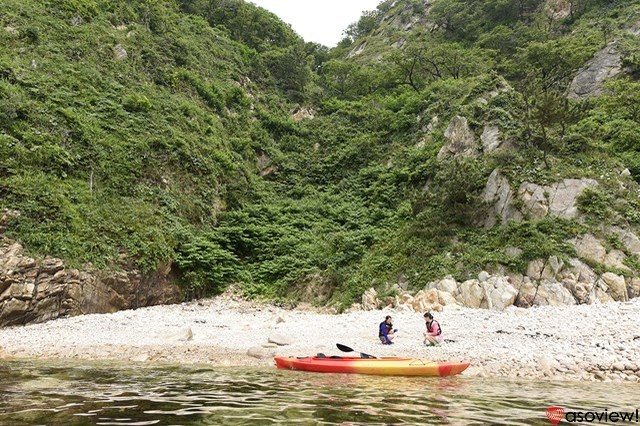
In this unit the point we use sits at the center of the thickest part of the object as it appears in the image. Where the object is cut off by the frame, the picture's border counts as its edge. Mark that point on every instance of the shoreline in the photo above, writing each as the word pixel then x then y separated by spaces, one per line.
pixel 579 342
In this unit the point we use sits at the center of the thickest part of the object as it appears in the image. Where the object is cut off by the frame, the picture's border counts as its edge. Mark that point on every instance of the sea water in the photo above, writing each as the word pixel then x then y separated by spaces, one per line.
pixel 65 393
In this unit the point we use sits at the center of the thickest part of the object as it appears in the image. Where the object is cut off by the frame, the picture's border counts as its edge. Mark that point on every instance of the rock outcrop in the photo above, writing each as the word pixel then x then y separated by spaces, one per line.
pixel 607 63
pixel 459 140
pixel 119 53
pixel 558 199
pixel 490 139
pixel 500 199
pixel 535 202
pixel 37 290
pixel 303 114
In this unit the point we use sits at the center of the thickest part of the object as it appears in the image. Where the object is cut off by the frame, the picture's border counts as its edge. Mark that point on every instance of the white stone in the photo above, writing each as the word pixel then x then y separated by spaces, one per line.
pixel 280 339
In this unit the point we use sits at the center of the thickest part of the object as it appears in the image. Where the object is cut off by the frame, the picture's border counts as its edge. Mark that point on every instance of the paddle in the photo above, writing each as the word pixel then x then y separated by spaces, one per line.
pixel 344 348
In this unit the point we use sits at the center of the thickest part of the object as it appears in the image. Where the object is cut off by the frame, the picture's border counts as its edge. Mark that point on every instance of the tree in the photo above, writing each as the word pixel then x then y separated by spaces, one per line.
pixel 546 110
pixel 338 75
pixel 368 22
pixel 548 65
pixel 248 23
pixel 408 67
pixel 419 63
pixel 290 68
pixel 449 15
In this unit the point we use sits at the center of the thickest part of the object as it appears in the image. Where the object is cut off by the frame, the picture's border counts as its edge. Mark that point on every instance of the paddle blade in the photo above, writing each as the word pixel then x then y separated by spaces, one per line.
pixel 344 348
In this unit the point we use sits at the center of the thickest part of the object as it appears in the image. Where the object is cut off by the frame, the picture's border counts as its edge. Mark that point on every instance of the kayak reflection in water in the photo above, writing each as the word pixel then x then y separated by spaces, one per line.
pixel 386 332
pixel 433 334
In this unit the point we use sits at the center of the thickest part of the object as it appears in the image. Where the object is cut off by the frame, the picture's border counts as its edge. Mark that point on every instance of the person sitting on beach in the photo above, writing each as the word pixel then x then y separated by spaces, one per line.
pixel 386 332
pixel 433 334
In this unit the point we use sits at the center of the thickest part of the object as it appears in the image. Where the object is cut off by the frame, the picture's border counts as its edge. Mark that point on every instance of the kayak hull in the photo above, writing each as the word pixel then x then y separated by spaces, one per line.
pixel 377 366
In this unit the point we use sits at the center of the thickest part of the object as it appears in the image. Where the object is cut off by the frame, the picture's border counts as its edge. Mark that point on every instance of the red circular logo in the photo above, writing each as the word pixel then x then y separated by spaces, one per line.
pixel 555 414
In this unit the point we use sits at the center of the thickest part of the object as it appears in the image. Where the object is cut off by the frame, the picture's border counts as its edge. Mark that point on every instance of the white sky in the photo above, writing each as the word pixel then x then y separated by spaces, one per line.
pixel 322 21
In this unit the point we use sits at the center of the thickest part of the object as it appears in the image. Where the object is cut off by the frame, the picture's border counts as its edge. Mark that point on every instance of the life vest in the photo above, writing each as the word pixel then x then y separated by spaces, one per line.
pixel 431 328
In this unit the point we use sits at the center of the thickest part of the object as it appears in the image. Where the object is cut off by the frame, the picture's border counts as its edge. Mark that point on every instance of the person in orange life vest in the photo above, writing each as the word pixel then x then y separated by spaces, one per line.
pixel 433 334
pixel 386 332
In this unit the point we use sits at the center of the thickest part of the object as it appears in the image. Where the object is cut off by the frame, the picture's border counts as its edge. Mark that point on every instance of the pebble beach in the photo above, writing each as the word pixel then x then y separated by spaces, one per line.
pixel 581 342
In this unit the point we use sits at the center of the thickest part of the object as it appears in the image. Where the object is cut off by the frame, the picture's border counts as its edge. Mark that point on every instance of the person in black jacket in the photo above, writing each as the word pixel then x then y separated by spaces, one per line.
pixel 386 332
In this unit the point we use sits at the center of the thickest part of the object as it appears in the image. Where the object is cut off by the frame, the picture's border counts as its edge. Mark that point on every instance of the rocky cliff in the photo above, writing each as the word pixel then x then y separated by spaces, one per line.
pixel 36 290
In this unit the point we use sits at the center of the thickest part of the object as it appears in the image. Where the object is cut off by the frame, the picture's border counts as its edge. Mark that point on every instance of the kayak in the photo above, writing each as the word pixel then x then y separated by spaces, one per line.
pixel 391 366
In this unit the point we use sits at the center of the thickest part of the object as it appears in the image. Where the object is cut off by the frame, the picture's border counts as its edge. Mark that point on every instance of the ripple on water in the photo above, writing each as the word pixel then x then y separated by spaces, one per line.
pixel 36 393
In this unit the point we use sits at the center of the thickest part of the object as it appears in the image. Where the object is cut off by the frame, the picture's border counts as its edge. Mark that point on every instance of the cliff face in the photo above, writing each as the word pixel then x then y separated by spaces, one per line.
pixel 37 290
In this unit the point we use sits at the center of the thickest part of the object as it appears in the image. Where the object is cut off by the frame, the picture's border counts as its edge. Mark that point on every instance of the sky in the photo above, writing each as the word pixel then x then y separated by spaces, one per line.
pixel 316 20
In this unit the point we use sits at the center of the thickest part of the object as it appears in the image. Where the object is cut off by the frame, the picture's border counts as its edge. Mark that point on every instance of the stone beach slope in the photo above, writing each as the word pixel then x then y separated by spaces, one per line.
pixel 578 342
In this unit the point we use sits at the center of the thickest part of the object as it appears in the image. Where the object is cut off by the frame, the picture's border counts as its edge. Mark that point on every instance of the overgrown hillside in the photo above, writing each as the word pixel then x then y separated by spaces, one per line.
pixel 126 128
pixel 208 134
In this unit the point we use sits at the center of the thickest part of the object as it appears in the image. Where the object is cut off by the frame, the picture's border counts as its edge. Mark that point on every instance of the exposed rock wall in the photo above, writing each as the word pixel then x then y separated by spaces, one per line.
pixel 606 64
pixel 37 290
pixel 536 201
pixel 459 140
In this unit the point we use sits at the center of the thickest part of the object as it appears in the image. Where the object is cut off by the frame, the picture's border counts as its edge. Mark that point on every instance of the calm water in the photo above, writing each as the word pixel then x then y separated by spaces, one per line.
pixel 105 394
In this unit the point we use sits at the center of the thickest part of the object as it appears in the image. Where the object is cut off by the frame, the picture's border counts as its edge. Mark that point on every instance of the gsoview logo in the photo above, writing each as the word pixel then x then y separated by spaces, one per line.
pixel 556 414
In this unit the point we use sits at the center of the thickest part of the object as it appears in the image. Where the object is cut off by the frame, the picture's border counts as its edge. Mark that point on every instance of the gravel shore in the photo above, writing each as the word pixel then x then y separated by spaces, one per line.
pixel 582 342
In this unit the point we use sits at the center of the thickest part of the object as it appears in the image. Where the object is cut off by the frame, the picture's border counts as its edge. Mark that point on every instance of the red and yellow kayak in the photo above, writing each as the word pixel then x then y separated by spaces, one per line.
pixel 391 366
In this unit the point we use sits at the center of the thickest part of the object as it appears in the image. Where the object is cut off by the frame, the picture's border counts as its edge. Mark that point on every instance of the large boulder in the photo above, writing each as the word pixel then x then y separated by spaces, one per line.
pixel 558 199
pixel 119 52
pixel 179 335
pixel 370 300
pixel 471 294
pixel 426 300
pixel 579 290
pixel 499 197
pixel 261 352
pixel 543 293
pixel 617 287
pixel 633 287
pixel 357 50
pixel 495 293
pixel 541 269
pixel 564 195
pixel 580 271
pixel 446 299
pixel 459 140
pixel 629 240
pixel 280 339
pixel 490 139
pixel 589 247
pixel 303 114
pixel 535 201
pixel 601 293
pixel 615 259
pixel 499 293
pixel 447 285
pixel 535 268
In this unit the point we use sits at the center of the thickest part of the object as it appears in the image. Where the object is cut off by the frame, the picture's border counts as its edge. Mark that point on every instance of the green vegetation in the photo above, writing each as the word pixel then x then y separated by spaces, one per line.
pixel 153 131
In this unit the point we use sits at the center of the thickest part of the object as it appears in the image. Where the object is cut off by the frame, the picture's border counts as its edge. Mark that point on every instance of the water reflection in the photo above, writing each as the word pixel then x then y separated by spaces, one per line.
pixel 67 394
